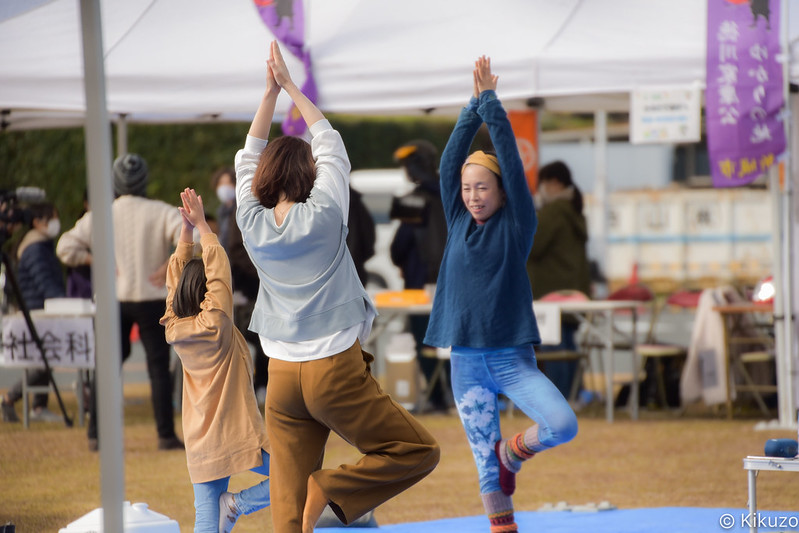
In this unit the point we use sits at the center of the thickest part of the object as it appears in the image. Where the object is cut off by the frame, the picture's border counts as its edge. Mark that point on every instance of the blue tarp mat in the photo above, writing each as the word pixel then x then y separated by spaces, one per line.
pixel 657 520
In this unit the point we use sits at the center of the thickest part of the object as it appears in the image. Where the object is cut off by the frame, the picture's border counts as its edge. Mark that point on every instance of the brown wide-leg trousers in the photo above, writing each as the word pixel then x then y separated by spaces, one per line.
pixel 304 401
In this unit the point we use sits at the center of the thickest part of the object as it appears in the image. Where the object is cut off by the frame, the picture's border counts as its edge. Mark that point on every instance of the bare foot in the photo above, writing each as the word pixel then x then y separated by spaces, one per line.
pixel 315 503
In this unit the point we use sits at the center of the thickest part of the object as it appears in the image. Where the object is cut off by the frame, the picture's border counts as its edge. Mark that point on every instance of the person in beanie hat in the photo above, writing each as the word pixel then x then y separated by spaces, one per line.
pixel 130 175
pixel 145 233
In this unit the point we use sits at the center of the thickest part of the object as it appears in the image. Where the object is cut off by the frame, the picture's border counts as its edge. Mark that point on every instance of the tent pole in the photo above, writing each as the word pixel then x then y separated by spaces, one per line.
pixel 778 276
pixel 106 320
pixel 789 397
pixel 122 134
pixel 785 394
pixel 786 390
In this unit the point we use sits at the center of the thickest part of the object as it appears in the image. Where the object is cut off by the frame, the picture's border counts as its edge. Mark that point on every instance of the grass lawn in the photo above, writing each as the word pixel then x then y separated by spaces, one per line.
pixel 49 477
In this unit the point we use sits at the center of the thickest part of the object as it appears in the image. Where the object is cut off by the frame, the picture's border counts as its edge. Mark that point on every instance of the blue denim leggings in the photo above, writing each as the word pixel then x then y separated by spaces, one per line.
pixel 206 498
pixel 479 375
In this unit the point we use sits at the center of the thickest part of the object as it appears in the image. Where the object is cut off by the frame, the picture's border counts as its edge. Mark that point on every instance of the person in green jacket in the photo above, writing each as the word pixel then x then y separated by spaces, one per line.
pixel 559 260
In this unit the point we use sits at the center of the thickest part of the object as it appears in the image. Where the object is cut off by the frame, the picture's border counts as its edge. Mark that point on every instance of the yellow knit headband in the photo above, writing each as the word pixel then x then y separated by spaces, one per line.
pixel 484 160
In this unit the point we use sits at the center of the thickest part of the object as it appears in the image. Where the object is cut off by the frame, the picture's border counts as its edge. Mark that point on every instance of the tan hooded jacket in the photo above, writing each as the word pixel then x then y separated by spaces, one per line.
pixel 223 427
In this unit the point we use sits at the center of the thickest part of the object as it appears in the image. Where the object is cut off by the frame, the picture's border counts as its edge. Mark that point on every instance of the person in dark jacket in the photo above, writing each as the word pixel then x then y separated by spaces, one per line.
pixel 418 246
pixel 361 236
pixel 559 260
pixel 40 276
pixel 245 277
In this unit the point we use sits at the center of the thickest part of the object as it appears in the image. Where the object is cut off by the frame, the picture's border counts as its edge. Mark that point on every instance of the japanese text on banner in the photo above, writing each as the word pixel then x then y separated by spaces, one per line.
pixel 745 93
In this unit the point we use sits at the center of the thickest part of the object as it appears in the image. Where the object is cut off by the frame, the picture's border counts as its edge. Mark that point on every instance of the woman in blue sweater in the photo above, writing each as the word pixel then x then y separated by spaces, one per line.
pixel 483 303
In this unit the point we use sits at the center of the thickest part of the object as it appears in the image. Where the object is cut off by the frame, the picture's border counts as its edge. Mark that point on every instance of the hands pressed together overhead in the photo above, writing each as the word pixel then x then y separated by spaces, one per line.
pixel 484 80
pixel 277 78
pixel 193 211
pixel 277 73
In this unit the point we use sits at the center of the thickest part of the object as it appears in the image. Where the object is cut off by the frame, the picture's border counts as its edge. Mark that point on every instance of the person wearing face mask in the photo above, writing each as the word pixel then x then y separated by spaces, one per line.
pixel 483 307
pixel 559 259
pixel 244 274
pixel 40 276
pixel 224 184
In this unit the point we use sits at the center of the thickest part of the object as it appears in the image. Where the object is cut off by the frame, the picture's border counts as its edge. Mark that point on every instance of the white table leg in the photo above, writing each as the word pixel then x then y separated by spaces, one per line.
pixel 752 476
pixel 25 400
pixel 609 366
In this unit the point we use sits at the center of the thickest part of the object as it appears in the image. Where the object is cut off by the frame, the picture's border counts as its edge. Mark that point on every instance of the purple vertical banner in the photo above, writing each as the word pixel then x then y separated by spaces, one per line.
pixel 744 96
pixel 286 20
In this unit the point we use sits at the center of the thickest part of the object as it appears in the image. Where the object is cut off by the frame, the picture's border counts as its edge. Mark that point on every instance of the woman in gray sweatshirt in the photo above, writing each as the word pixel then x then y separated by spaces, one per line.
pixel 312 314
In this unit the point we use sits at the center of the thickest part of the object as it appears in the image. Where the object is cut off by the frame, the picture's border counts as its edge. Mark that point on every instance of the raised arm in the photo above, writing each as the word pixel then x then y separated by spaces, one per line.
pixel 218 278
pixel 310 113
pixel 520 201
pixel 262 121
pixel 455 153
pixel 330 155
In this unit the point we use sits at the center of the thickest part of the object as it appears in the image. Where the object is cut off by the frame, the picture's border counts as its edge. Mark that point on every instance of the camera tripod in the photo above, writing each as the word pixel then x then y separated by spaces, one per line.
pixel 34 334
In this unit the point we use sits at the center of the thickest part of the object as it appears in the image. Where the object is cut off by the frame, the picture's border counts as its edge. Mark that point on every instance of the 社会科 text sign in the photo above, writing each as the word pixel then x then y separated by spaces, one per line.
pixel 67 341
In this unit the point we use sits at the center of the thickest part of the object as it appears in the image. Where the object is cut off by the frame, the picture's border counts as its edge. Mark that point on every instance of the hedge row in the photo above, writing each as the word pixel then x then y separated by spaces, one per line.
pixel 185 155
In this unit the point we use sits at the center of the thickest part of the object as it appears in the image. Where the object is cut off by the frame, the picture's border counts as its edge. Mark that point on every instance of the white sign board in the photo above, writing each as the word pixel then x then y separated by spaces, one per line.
pixel 665 115
pixel 68 341
pixel 547 314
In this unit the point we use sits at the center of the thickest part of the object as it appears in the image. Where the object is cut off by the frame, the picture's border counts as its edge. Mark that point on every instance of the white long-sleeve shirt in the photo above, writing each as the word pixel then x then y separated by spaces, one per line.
pixel 311 303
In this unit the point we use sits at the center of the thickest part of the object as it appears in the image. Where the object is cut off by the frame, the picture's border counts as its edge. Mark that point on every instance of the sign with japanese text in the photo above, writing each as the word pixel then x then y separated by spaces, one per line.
pixel 68 341
pixel 665 115
pixel 745 93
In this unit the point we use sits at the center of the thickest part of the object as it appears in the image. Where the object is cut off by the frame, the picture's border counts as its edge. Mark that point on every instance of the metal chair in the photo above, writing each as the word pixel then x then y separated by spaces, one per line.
pixel 658 353
pixel 749 346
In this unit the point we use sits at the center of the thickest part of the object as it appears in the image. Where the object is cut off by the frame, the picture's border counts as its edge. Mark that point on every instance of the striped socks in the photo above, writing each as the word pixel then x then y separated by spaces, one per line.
pixel 499 508
pixel 511 454
pixel 518 449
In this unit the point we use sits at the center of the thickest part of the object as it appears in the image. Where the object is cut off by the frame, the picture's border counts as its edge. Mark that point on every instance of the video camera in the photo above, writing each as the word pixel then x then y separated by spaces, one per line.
pixel 13 208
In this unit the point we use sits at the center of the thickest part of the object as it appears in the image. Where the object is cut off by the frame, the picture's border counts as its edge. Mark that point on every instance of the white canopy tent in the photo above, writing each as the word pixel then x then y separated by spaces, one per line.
pixel 189 60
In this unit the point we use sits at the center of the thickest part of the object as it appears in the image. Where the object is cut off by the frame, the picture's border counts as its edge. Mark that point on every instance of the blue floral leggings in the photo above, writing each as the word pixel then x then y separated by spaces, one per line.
pixel 479 375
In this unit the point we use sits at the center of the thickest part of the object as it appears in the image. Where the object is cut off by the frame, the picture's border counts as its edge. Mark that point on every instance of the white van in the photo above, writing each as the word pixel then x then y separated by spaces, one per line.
pixel 378 187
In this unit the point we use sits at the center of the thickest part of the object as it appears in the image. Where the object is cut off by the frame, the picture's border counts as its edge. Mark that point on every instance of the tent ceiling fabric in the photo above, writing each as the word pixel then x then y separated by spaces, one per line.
pixel 179 60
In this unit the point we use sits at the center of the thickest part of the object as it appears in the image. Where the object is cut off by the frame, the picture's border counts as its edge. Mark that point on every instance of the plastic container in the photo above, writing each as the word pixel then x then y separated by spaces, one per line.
pixel 401 370
pixel 137 518
pixel 781 448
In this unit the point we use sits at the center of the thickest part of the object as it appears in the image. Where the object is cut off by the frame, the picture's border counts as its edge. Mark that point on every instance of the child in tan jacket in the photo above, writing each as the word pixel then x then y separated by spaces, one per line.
pixel 223 428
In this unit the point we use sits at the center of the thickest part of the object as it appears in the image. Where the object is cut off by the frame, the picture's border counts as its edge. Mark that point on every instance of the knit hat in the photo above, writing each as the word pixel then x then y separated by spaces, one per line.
pixel 130 175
